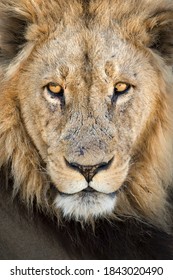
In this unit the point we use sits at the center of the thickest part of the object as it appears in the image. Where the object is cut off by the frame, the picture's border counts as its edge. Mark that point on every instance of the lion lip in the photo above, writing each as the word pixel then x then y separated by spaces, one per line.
pixel 88 192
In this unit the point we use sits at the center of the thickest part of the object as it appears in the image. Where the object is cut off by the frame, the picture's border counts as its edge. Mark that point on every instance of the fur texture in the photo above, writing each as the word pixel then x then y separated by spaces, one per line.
pixel 87 48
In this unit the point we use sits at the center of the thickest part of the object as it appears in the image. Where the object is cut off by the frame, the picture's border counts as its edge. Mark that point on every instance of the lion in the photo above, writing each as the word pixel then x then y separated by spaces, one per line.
pixel 86 130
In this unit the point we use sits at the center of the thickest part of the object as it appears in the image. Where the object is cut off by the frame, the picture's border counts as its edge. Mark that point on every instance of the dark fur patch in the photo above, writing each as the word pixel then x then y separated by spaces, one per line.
pixel 164 42
pixel 160 27
pixel 128 239
pixel 12 30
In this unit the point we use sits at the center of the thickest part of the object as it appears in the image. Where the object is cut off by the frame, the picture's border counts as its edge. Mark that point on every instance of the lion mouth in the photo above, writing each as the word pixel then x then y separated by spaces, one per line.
pixel 89 191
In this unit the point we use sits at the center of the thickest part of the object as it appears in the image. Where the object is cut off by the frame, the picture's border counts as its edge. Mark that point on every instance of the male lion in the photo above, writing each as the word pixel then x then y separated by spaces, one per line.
pixel 86 128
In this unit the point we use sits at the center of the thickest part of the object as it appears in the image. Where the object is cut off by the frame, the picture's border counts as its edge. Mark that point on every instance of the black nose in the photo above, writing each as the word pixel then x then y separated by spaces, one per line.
pixel 88 171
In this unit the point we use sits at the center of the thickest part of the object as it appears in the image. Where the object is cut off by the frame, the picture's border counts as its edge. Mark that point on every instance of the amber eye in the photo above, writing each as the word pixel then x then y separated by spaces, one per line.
pixel 121 88
pixel 55 89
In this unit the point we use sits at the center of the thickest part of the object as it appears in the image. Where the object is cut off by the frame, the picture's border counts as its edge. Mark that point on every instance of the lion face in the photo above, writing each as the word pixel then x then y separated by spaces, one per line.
pixel 81 106
pixel 88 96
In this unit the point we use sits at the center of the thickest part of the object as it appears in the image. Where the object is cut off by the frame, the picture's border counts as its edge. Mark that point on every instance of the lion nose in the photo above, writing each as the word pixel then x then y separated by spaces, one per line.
pixel 88 171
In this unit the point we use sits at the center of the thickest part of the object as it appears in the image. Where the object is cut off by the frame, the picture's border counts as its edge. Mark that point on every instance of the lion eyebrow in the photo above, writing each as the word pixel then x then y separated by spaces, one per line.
pixel 113 70
pixel 58 74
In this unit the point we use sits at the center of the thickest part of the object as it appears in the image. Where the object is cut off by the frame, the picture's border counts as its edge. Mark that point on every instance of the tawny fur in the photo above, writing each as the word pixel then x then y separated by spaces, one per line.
pixel 144 37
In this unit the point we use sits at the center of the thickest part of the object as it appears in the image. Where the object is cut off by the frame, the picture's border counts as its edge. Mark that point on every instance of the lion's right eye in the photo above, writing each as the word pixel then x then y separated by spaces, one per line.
pixel 121 88
pixel 55 90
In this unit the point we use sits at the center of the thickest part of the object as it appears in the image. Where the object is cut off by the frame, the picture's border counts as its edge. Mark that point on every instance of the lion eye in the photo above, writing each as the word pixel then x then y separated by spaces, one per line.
pixel 55 89
pixel 121 88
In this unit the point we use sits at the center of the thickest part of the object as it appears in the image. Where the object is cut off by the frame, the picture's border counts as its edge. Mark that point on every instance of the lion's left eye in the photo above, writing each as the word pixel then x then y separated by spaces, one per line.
pixel 55 89
pixel 121 88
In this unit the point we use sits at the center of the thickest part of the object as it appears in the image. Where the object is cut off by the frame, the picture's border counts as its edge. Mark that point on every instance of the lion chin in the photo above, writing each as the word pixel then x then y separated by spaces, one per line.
pixel 85 205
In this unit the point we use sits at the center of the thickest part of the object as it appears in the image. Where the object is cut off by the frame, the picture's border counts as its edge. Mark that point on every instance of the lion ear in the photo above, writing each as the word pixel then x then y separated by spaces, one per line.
pixel 159 26
pixel 14 21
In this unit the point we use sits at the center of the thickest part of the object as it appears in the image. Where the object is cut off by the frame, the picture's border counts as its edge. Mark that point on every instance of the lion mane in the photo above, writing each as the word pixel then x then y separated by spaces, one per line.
pixel 141 225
